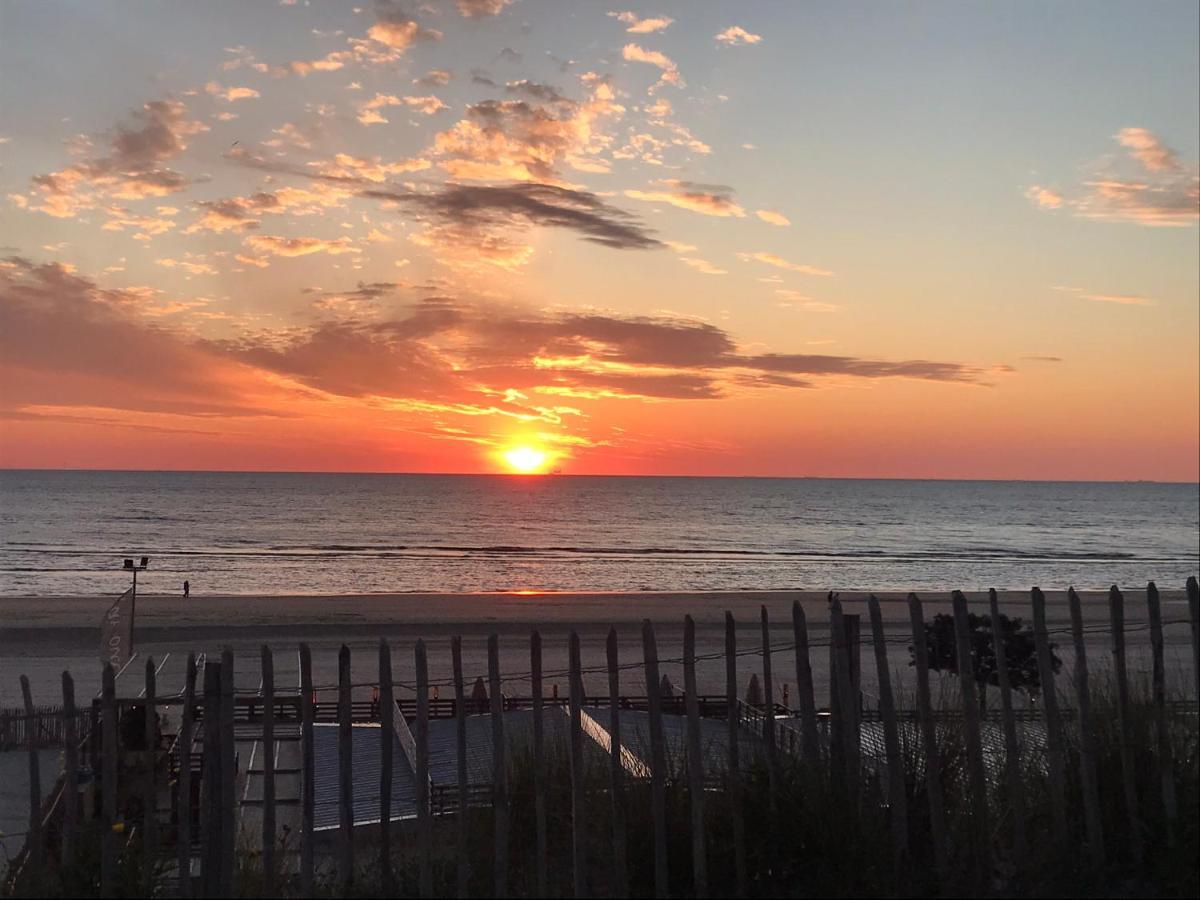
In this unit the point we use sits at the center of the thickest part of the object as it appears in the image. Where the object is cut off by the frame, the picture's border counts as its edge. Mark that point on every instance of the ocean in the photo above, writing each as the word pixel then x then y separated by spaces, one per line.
pixel 65 533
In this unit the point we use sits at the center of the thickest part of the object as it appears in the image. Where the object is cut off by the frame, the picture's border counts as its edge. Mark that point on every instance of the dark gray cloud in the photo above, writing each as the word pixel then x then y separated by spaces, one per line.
pixel 527 203
pixel 538 91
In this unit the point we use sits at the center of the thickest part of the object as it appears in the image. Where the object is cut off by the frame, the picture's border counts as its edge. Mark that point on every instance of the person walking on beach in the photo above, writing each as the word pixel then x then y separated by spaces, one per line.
pixel 187 589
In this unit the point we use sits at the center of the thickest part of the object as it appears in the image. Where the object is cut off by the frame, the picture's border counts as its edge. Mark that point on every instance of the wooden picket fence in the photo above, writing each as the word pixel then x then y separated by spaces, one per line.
pixel 832 738
pixel 45 727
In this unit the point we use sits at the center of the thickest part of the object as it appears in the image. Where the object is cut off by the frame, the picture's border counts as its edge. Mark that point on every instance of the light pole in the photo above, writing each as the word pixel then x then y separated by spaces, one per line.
pixel 142 565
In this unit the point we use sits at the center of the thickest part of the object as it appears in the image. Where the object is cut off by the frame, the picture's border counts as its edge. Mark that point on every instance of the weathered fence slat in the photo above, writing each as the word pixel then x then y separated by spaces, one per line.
pixel 539 762
pixel 695 760
pixel 578 816
pixel 150 780
pixel 769 706
pixel 977 775
pixel 268 772
pixel 1193 595
pixel 1055 751
pixel 658 761
pixel 210 784
pixel 387 743
pixel 933 762
pixel 308 764
pixel 424 813
pixel 897 792
pixel 844 711
pixel 499 771
pixel 735 772
pixel 1116 612
pixel 33 839
pixel 1166 763
pixel 1012 750
pixel 70 827
pixel 345 836
pixel 616 771
pixel 228 796
pixel 810 745
pixel 463 861
pixel 184 785
pixel 1087 740
pixel 183 838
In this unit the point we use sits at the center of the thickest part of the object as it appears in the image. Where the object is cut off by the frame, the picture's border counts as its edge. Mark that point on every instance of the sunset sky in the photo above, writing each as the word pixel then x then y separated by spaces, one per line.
pixel 943 240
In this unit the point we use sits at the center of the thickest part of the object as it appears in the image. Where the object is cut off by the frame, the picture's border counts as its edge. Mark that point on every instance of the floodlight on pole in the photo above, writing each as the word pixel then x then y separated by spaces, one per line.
pixel 143 564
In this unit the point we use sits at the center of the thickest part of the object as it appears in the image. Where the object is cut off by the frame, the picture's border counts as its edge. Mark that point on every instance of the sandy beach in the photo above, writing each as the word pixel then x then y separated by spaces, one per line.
pixel 42 636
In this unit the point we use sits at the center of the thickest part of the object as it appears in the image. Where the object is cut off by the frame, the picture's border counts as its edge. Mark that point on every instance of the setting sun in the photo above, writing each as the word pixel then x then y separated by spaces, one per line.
pixel 526 460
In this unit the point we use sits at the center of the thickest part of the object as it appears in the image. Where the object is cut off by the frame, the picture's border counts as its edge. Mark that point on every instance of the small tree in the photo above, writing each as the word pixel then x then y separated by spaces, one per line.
pixel 1019 646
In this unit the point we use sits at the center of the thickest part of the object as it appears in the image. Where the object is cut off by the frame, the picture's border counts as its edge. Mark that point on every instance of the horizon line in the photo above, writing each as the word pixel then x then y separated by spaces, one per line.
pixel 553 475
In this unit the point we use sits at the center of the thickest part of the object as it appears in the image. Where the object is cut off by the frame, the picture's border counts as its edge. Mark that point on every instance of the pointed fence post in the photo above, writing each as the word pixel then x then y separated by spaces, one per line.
pixel 734 737
pixel 1193 595
pixel 897 791
pixel 1012 750
pixel 578 816
pixel 387 744
pixel 424 813
pixel 70 828
pixel 811 748
pixel 210 784
pixel 933 761
pixel 150 779
pixel 977 775
pixel 33 840
pixel 499 771
pixel 463 863
pixel 108 784
pixel 228 796
pixel 658 761
pixel 345 836
pixel 695 760
pixel 1116 612
pixel 1087 739
pixel 769 708
pixel 1055 750
pixel 1166 763
pixel 268 772
pixel 539 764
pixel 183 838
pixel 845 711
pixel 308 773
pixel 616 772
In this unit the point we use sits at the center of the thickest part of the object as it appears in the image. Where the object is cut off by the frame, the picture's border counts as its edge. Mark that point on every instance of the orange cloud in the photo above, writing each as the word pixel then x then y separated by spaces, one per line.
pixel 670 71
pixel 637 25
pixel 229 95
pixel 300 246
pixel 735 35
pixel 779 262
pixel 707 199
pixel 772 217
pixel 1158 191
pixel 132 169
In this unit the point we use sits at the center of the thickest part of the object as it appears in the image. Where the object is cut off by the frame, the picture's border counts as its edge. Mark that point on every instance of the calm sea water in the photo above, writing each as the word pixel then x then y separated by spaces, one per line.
pixel 66 532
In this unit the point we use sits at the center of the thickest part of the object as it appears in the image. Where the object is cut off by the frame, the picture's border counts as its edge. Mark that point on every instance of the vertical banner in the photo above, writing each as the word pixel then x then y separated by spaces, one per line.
pixel 116 632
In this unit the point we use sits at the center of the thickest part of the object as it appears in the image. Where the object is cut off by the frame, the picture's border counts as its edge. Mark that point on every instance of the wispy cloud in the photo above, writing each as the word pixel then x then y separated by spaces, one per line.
pixel 735 35
pixel 670 71
pixel 772 259
pixel 638 25
pixel 772 217
pixel 1120 299
pixel 1152 188
pixel 707 199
